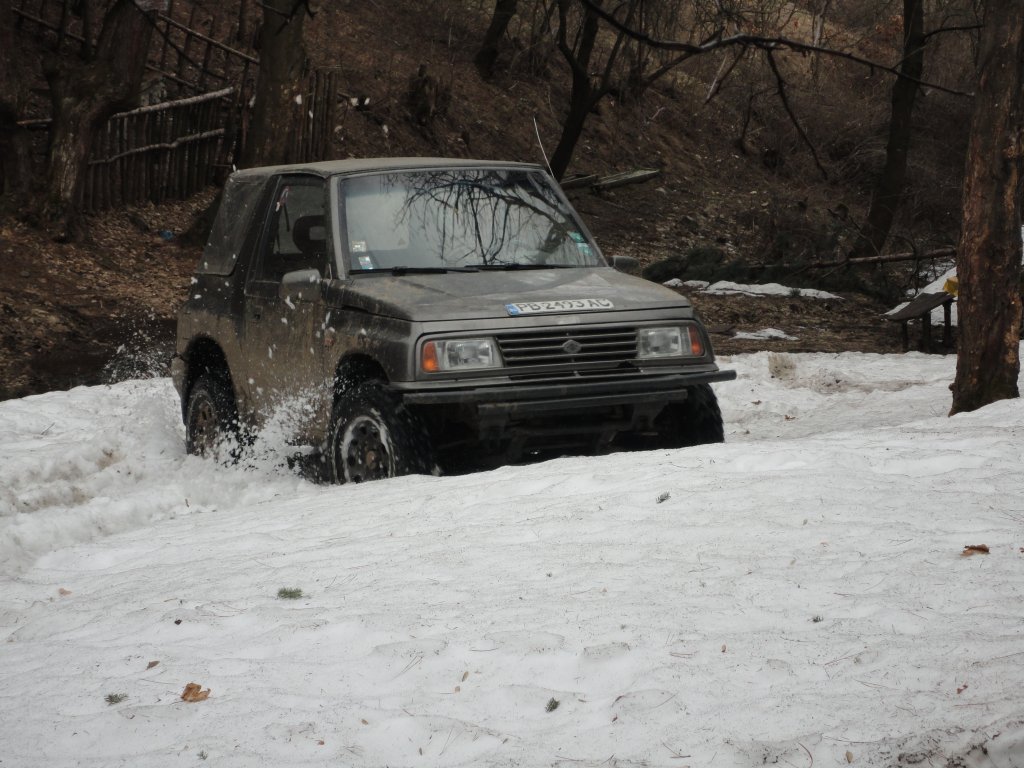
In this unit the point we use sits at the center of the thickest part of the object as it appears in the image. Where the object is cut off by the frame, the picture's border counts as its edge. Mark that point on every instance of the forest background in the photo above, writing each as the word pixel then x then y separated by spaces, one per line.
pixel 802 142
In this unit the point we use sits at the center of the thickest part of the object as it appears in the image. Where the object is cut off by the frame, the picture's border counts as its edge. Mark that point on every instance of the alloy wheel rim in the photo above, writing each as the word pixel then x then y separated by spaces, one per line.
pixel 365 451
pixel 204 427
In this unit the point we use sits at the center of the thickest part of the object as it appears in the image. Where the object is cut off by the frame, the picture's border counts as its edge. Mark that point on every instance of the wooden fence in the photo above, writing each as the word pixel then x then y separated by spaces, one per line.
pixel 186 58
pixel 171 149
pixel 155 153
pixel 314 119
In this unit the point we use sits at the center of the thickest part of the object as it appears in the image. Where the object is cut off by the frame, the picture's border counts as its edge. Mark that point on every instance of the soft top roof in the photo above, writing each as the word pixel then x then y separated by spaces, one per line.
pixel 362 165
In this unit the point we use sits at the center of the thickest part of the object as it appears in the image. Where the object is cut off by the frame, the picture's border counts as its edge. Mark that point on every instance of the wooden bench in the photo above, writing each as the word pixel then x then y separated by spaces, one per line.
pixel 921 308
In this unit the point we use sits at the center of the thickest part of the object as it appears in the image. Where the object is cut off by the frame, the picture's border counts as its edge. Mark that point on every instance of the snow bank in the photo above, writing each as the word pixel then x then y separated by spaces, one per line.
pixel 795 595
pixel 724 287
pixel 765 334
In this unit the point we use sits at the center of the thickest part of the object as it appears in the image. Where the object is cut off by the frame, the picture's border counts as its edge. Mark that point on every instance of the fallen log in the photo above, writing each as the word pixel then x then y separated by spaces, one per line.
pixel 627 177
pixel 593 181
pixel 886 258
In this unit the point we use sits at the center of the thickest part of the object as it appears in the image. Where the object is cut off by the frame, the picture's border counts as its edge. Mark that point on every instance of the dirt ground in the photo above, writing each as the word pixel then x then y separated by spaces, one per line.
pixel 86 313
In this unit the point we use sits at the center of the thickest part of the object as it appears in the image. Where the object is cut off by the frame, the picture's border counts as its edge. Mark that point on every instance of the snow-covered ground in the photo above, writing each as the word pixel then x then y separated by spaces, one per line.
pixel 796 596
pixel 728 288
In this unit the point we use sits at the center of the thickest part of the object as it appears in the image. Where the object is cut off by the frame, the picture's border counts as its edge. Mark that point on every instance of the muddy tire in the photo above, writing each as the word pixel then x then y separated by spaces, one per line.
pixel 211 420
pixel 695 421
pixel 374 436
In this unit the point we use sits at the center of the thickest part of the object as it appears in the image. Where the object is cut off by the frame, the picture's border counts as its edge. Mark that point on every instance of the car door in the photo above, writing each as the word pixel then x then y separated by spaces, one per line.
pixel 284 317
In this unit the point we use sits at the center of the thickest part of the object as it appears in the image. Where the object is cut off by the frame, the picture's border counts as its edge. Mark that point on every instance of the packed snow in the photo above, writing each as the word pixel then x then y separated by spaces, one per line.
pixel 797 596
pixel 728 288
pixel 765 334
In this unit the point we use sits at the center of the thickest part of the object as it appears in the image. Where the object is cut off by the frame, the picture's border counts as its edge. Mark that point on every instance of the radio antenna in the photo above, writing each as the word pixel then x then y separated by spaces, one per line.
pixel 540 144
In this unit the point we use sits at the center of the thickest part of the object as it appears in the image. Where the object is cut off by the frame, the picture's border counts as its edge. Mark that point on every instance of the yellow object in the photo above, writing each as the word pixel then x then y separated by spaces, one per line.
pixel 951 286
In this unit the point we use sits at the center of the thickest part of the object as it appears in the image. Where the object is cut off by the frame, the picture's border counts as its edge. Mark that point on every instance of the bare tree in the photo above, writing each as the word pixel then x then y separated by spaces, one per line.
pixel 989 256
pixel 577 40
pixel 888 191
pixel 280 84
pixel 487 56
pixel 15 148
pixel 84 94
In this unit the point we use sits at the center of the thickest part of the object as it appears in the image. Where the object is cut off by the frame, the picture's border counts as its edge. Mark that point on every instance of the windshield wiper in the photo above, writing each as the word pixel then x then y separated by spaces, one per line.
pixel 516 265
pixel 402 270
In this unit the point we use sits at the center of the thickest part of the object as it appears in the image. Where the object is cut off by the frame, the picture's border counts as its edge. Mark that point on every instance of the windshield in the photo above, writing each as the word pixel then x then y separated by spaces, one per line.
pixel 466 218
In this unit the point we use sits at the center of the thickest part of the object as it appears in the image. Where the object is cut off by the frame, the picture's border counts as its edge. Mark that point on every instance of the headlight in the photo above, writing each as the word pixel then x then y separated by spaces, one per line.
pixel 668 342
pixel 459 354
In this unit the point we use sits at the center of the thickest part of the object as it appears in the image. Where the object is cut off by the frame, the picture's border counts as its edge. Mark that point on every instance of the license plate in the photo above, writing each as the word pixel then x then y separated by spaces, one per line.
pixel 564 305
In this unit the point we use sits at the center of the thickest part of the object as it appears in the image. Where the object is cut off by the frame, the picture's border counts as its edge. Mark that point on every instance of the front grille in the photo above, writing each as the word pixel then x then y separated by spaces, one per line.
pixel 570 346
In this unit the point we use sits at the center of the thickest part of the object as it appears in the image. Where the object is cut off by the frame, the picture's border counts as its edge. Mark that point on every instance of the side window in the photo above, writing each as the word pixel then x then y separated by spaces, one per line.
pixel 297 233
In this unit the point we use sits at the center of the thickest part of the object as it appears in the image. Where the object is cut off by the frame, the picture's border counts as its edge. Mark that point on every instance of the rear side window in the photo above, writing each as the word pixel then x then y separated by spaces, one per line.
pixel 297 236
pixel 239 201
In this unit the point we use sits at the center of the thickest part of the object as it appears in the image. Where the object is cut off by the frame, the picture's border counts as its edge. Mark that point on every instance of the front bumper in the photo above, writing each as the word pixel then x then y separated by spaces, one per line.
pixel 584 411
pixel 568 395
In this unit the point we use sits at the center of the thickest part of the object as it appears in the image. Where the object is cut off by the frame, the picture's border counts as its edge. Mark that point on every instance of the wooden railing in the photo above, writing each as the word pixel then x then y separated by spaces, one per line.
pixel 171 149
pixel 159 152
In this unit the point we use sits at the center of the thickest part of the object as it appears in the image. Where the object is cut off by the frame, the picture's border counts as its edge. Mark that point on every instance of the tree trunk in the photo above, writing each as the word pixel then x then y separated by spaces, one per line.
pixel 580 104
pixel 989 256
pixel 583 97
pixel 270 138
pixel 83 97
pixel 15 144
pixel 888 191
pixel 487 56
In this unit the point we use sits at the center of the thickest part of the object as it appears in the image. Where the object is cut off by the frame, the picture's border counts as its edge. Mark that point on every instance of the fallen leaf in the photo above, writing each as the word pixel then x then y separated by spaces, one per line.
pixel 320 743
pixel 458 688
pixel 152 664
pixel 63 592
pixel 962 688
pixel 194 692
pixel 974 549
pixel 849 756
pixel 465 675
pixel 664 497
pixel 790 418
pixel 364 722
pixel 723 647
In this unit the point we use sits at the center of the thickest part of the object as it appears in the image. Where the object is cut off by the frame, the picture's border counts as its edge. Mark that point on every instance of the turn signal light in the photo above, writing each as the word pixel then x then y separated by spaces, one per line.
pixel 696 345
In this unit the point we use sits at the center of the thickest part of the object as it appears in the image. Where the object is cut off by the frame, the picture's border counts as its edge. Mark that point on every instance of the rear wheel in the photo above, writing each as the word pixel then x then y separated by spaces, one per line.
pixel 695 421
pixel 211 419
pixel 374 436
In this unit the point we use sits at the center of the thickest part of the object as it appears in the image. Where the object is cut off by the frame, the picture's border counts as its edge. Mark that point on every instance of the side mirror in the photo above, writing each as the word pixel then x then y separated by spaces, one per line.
pixel 626 264
pixel 300 285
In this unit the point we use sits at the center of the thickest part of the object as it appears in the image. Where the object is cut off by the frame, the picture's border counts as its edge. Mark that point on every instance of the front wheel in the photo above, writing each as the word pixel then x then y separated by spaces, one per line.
pixel 374 436
pixel 211 419
pixel 697 420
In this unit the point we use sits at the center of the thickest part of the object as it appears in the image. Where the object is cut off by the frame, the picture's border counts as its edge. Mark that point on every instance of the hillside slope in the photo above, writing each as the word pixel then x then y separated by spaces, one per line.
pixel 735 177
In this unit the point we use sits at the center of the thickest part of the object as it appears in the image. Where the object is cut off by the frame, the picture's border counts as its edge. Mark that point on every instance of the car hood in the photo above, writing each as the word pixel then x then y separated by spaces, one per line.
pixel 480 295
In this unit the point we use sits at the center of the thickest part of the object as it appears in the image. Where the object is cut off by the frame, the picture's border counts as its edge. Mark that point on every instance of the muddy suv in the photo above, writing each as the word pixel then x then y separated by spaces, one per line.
pixel 412 315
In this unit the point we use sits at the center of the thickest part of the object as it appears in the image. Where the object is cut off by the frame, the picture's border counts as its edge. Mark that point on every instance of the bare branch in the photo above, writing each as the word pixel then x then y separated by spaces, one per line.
pixel 781 83
pixel 723 75
pixel 941 30
pixel 687 50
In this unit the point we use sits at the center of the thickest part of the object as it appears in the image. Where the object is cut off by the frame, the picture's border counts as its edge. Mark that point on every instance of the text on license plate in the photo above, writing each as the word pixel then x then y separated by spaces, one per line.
pixel 564 305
